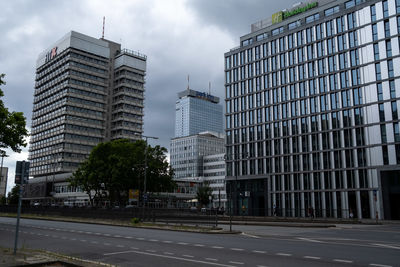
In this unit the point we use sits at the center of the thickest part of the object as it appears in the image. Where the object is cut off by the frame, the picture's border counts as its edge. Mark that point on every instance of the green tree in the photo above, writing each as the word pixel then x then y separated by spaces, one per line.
pixel 12 196
pixel 12 126
pixel 204 194
pixel 115 167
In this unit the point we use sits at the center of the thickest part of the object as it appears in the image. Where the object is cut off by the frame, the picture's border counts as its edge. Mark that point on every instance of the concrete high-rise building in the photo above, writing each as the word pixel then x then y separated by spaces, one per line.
pixel 197 112
pixel 187 153
pixel 3 181
pixel 87 91
pixel 312 121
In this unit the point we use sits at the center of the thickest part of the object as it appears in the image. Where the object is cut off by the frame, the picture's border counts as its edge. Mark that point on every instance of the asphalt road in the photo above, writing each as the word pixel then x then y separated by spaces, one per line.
pixel 258 246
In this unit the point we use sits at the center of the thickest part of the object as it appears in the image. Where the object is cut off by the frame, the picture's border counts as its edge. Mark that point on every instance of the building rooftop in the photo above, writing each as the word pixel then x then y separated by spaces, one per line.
pixel 201 95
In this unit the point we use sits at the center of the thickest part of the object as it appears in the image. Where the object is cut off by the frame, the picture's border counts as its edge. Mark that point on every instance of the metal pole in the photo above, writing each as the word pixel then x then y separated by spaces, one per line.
pixel 19 207
pixel 145 171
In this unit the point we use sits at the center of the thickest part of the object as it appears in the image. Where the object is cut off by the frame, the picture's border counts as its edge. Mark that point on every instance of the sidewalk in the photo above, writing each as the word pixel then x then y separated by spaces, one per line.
pixel 27 257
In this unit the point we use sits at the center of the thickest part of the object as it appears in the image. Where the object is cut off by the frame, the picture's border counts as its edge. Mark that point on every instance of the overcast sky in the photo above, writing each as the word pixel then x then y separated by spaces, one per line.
pixel 179 37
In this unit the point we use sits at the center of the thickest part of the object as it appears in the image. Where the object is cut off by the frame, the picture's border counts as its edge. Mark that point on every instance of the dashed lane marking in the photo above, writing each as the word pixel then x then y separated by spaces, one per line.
pixel 237 249
pixel 259 251
pixel 153 240
pixel 211 259
pixel 198 245
pixel 218 247
pixel 150 250
pixel 120 246
pixel 134 248
pixel 379 265
pixel 312 257
pixel 284 254
pixel 309 240
pixel 167 241
pixel 182 243
pixel 139 238
pixel 236 262
pixel 253 236
pixel 168 253
pixel 386 246
pixel 343 261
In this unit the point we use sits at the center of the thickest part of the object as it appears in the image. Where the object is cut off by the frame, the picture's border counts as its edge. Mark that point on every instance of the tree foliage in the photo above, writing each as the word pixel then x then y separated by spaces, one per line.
pixel 204 194
pixel 13 196
pixel 12 126
pixel 115 167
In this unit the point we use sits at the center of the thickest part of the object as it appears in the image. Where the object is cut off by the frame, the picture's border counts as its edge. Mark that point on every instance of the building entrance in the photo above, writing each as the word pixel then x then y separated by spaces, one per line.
pixel 390 181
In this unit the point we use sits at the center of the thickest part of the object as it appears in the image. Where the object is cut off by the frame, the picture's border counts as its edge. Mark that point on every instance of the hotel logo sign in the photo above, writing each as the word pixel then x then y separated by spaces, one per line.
pixel 51 54
pixel 281 15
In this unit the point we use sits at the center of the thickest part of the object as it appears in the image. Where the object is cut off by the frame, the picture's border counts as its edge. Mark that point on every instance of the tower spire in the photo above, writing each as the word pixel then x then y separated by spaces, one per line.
pixel 188 78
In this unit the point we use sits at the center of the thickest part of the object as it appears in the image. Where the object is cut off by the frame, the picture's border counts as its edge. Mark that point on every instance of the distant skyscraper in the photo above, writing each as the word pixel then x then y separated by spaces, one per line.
pixel 87 91
pixel 197 112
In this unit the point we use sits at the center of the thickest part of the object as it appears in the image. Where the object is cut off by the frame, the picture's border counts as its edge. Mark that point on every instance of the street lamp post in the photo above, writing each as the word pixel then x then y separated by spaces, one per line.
pixel 145 171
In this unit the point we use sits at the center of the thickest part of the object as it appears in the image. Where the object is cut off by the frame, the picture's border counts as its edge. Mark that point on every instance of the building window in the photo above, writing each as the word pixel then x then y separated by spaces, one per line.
pixel 385 9
pixel 379 91
pixel 387 28
pixel 388 48
pixel 398 24
pixel 396 132
pixel 293 25
pixel 390 68
pixel 351 21
pixel 374 32
pixel 398 6
pixel 373 13
pixel 394 111
pixel 331 11
pixel 392 89
pixel 383 134
pixel 381 113
pixel 376 51
pixel 312 18
pixel 378 71
pixel 385 155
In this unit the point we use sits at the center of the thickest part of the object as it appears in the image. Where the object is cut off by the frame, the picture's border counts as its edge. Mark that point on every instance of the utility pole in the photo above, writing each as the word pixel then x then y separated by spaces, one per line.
pixel 19 206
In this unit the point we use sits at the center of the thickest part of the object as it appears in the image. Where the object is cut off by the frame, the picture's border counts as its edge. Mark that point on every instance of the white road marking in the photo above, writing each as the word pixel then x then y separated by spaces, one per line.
pixel 253 236
pixel 170 257
pixel 259 251
pixel 120 246
pixel 134 248
pixel 167 241
pixel 284 254
pixel 97 233
pixel 106 244
pixel 309 240
pixel 211 259
pixel 386 246
pixel 153 240
pixel 237 249
pixel 312 257
pixel 343 261
pixel 88 233
pixel 188 256
pixel 94 242
pixel 198 245
pixel 182 243
pixel 150 250
pixel 117 236
pixel 236 262
pixel 140 238
pixel 379 265
pixel 128 237
pixel 168 253
pixel 262 266
pixel 217 247
pixel 72 231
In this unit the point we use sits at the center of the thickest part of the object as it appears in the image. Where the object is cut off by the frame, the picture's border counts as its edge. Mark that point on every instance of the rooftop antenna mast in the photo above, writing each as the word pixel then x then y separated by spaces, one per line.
pixel 104 22
pixel 188 78
pixel 209 88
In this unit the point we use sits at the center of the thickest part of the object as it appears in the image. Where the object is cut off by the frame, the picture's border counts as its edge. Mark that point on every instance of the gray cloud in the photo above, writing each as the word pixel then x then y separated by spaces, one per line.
pixel 179 38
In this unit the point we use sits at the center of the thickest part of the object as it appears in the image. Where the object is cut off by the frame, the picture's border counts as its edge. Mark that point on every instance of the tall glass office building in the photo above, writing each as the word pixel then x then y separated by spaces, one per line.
pixel 312 121
pixel 197 112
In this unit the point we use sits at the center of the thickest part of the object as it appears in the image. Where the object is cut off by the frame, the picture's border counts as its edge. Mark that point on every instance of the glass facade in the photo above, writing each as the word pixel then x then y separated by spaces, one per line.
pixel 323 102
